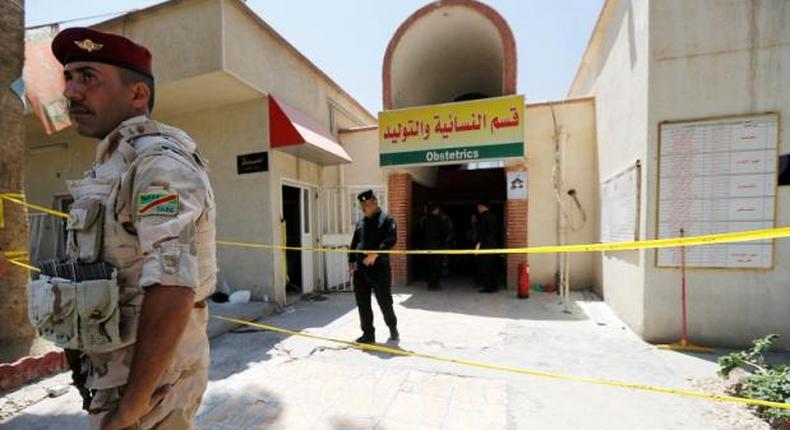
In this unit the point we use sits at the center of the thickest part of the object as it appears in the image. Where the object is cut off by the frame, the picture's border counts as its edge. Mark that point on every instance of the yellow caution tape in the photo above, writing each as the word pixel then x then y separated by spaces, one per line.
pixel 711 239
pixel 517 370
pixel 495 367
pixel 16 262
pixel 744 236
pixel 20 200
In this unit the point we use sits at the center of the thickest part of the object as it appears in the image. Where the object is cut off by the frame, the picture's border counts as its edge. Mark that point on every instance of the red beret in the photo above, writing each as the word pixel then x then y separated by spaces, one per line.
pixel 85 44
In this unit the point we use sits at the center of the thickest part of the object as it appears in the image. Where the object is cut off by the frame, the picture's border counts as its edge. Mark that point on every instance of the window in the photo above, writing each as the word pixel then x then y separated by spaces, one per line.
pixel 480 165
pixel 306 210
pixel 784 170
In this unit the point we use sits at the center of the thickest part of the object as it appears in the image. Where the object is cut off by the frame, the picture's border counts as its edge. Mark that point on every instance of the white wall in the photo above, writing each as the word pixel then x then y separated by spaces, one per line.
pixel 615 70
pixel 712 58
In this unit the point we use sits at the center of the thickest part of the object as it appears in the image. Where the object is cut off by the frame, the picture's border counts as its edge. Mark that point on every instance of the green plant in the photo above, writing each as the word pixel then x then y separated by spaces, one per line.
pixel 771 383
pixel 751 359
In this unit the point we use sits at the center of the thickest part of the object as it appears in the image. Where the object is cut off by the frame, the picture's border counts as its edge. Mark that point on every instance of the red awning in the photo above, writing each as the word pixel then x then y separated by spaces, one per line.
pixel 295 133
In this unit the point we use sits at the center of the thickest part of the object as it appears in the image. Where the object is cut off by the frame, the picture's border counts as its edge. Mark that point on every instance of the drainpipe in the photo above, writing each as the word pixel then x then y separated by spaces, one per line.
pixel 566 279
pixel 344 209
pixel 558 210
pixel 562 275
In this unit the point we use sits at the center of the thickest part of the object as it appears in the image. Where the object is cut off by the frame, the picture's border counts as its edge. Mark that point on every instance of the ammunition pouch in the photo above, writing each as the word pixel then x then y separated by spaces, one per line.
pixel 86 230
pixel 82 315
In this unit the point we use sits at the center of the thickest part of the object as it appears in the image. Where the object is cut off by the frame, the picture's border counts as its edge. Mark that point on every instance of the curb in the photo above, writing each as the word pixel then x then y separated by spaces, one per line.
pixel 27 369
pixel 251 311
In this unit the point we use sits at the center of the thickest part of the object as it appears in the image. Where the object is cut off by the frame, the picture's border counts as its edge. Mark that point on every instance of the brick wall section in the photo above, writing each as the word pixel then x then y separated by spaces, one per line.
pixel 399 195
pixel 27 369
pixel 516 233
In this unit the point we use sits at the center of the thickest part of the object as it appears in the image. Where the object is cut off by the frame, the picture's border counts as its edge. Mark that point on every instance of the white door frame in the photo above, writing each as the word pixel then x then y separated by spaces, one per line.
pixel 308 234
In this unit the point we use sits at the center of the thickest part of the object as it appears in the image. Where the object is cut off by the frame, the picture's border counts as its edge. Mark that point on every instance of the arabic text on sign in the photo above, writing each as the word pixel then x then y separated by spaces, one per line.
pixel 445 127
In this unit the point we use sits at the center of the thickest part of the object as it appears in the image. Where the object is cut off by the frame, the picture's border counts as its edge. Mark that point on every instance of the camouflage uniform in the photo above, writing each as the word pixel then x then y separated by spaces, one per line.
pixel 159 229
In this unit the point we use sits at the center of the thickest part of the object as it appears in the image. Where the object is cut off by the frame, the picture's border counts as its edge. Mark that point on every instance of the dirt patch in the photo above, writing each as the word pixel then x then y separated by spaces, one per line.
pixel 729 415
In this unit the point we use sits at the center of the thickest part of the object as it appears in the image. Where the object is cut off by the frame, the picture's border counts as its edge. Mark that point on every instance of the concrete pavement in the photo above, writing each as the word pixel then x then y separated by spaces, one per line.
pixel 264 380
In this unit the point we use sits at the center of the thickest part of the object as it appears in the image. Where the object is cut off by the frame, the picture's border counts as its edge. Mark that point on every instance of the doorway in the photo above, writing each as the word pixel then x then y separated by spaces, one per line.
pixel 297 216
pixel 456 192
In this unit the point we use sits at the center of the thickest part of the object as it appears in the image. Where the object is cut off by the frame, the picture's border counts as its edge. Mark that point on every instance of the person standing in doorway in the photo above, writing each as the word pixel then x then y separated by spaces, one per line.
pixel 437 236
pixel 487 233
pixel 376 231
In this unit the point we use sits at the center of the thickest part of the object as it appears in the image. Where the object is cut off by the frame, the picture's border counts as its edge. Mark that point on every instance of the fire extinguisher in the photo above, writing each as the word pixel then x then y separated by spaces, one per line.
pixel 523 280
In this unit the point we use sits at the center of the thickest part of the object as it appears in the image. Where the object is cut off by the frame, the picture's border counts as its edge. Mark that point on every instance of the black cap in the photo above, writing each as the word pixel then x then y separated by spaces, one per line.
pixel 366 195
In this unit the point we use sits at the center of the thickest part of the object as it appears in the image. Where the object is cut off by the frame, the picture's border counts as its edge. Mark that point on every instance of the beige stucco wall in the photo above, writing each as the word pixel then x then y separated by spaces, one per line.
pixel 264 60
pixel 213 85
pixel 243 201
pixel 615 71
pixel 575 120
pixel 363 146
pixel 698 70
pixel 51 160
pixel 194 27
pixel 654 61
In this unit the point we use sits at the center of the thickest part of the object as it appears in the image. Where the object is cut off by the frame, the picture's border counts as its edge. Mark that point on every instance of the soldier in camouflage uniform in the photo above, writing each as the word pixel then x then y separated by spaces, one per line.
pixel 146 209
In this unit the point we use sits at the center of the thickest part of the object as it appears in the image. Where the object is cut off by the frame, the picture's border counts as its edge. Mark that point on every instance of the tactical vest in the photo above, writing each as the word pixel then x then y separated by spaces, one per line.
pixel 97 316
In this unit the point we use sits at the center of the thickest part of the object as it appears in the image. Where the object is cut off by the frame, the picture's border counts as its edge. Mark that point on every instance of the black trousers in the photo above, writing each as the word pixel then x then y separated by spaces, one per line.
pixel 378 281
pixel 488 276
pixel 434 270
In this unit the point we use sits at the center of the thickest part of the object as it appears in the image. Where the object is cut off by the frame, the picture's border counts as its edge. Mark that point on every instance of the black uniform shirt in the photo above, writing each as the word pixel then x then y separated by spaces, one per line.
pixel 487 231
pixel 437 231
pixel 376 233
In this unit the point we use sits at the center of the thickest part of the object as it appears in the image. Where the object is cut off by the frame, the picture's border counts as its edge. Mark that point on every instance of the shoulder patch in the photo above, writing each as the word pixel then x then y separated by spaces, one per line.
pixel 160 203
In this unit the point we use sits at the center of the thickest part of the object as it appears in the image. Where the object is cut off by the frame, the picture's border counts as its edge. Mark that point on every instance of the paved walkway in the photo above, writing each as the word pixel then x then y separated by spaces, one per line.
pixel 268 381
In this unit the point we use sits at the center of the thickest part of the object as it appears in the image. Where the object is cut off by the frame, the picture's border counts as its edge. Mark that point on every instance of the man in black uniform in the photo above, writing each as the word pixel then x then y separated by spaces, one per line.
pixel 371 271
pixel 437 236
pixel 487 239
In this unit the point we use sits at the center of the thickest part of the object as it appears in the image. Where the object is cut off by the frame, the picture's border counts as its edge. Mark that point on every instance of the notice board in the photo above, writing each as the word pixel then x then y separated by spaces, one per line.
pixel 718 176
pixel 620 198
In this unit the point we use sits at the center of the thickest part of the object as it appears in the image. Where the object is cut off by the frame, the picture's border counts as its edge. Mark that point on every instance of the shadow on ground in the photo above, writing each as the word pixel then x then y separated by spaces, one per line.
pixel 502 304
pixel 772 358
pixel 240 348
pixel 245 408
pixel 46 422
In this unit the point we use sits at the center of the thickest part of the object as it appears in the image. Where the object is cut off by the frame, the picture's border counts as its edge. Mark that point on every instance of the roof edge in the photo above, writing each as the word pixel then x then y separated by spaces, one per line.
pixel 608 4
pixel 266 27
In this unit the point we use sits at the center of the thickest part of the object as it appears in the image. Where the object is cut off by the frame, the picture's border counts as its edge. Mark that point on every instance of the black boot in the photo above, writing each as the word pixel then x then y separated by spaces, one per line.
pixel 367 338
pixel 394 335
